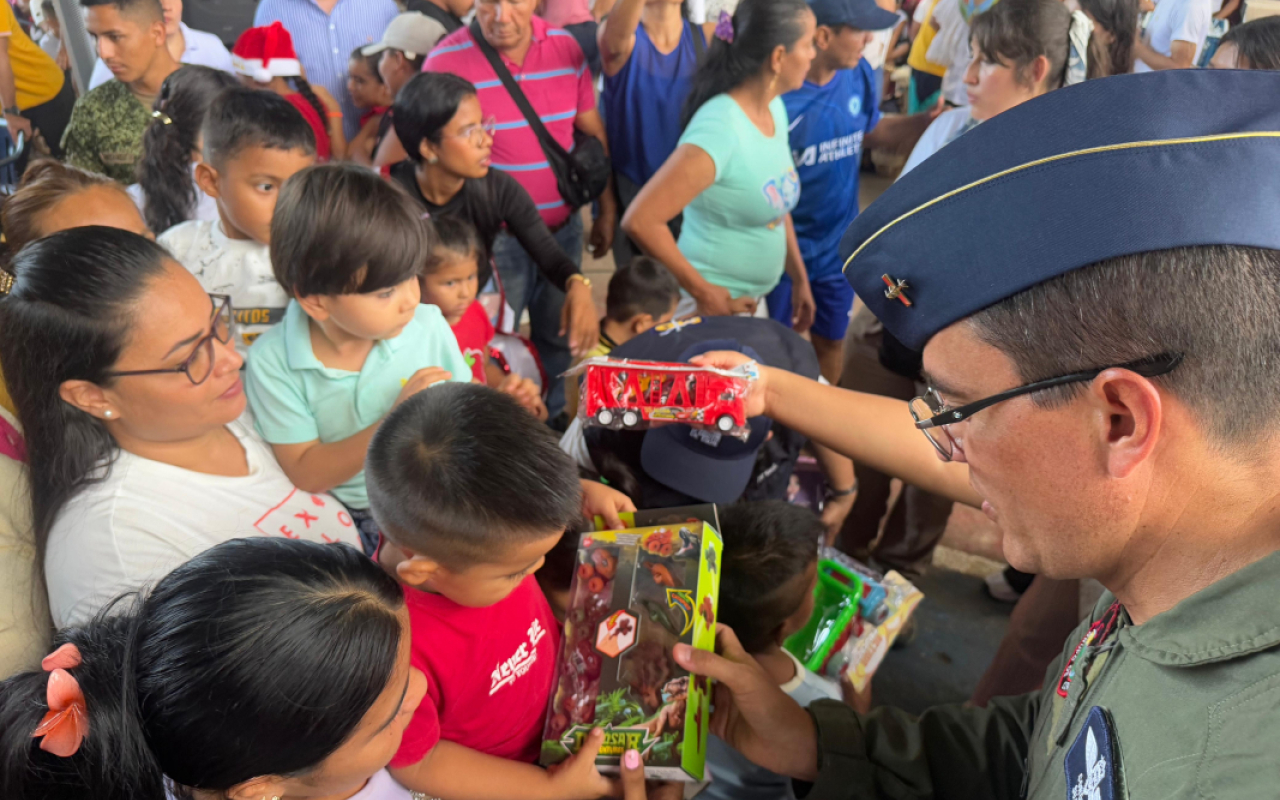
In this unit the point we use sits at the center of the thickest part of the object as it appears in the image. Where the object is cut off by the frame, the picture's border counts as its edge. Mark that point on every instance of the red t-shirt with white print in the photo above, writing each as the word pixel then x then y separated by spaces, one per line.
pixel 490 672
pixel 474 332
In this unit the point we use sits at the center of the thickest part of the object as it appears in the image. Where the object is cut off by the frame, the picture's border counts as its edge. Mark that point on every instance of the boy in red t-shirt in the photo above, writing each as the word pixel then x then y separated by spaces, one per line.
pixel 450 281
pixel 471 493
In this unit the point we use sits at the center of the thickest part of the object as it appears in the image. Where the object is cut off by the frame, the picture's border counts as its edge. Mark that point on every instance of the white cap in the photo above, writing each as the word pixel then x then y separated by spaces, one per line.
pixel 414 34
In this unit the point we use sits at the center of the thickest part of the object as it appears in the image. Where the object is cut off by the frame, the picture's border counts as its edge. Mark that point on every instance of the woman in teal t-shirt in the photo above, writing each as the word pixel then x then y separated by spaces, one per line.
pixel 732 174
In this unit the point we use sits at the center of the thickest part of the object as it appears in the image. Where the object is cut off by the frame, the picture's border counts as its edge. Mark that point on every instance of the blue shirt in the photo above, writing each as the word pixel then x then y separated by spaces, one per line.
pixel 642 104
pixel 827 127
pixel 324 41
pixel 297 399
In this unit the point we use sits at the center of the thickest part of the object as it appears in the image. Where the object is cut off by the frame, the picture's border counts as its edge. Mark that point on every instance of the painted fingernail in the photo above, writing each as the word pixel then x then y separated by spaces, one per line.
pixel 631 759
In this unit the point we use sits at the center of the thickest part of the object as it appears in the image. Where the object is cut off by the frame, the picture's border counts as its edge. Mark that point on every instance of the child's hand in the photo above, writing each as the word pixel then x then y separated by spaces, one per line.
pixel 422 379
pixel 606 502
pixel 526 393
pixel 578 778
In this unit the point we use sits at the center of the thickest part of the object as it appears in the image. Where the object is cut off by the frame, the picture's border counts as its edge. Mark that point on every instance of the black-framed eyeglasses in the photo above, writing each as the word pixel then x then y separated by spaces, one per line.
pixel 930 412
pixel 199 365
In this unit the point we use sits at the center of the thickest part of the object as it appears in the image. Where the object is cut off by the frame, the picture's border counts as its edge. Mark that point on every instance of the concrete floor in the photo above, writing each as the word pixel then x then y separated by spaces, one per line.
pixel 959 626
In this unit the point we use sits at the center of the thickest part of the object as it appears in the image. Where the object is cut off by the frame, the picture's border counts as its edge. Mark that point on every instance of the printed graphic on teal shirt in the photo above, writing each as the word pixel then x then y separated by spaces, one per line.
pixel 783 192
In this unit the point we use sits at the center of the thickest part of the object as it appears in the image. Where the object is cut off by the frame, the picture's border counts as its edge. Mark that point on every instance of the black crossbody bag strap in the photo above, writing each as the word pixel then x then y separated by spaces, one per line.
pixel 550 147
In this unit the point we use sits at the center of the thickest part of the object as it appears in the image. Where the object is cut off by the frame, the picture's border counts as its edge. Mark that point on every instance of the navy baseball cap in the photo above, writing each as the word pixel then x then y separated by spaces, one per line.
pixel 1102 169
pixel 700 464
pixel 861 14
pixel 708 465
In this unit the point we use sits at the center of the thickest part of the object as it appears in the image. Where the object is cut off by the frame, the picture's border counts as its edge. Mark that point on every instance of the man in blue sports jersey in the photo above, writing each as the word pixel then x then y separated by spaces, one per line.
pixel 833 116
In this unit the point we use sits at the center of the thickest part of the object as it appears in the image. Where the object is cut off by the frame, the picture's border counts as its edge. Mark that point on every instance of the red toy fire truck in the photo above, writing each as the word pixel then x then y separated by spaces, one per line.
pixel 621 393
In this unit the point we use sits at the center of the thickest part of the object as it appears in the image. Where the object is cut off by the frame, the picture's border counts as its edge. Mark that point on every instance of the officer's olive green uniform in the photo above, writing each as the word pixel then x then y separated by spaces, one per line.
pixel 1193 698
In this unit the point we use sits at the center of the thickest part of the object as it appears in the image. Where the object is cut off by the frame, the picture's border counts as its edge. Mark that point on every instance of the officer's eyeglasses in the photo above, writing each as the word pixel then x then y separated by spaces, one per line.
pixel 933 416
pixel 199 365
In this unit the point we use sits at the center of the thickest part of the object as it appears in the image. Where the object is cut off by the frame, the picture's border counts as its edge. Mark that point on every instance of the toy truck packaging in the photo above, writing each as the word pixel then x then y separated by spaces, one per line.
pixel 636 593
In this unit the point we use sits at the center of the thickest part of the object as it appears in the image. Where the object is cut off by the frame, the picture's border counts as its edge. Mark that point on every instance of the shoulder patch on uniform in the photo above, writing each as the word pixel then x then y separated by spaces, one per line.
pixel 1092 763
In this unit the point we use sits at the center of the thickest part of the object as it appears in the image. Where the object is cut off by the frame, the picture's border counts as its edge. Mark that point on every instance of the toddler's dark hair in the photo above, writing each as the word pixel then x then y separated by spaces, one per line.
pixel 644 286
pixel 242 117
pixel 342 229
pixel 768 545
pixel 460 471
pixel 454 237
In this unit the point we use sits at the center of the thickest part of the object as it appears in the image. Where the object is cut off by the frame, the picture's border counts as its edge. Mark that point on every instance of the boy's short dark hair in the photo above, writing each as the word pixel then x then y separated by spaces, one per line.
pixel 460 470
pixel 768 546
pixel 453 237
pixel 644 286
pixel 342 229
pixel 149 9
pixel 243 117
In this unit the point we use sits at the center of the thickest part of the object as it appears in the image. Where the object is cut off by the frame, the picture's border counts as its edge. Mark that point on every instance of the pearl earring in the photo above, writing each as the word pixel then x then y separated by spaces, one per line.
pixel 107 413
pixel 433 160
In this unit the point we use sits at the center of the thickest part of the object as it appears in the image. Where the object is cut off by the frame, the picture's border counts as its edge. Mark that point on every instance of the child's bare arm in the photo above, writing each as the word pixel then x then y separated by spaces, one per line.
pixel 460 773
pixel 317 466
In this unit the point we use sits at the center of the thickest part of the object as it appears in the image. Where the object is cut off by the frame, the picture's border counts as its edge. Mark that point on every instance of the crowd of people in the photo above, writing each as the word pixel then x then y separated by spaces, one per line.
pixel 289 460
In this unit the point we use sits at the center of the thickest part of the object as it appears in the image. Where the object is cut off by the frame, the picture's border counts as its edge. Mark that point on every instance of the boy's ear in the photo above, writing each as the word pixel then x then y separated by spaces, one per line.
pixel 641 323
pixel 316 306
pixel 207 179
pixel 822 37
pixel 417 570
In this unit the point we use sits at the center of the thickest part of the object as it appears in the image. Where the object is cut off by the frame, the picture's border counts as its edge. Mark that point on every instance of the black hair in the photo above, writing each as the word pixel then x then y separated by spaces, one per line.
pixel 424 105
pixel 257 657
pixel 759 27
pixel 1257 43
pixel 240 117
pixel 151 8
pixel 768 547
pixel 164 171
pixel 460 470
pixel 1139 306
pixel 303 87
pixel 342 229
pixel 1017 32
pixel 369 61
pixel 67 317
pixel 1119 18
pixel 643 286
pixel 454 237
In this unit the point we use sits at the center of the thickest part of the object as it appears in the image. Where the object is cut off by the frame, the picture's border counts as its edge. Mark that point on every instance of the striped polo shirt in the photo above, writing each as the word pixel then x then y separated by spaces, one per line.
pixel 554 77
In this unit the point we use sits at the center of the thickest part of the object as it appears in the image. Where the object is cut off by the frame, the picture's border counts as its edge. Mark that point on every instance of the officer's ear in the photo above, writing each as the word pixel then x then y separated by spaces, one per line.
pixel 1132 410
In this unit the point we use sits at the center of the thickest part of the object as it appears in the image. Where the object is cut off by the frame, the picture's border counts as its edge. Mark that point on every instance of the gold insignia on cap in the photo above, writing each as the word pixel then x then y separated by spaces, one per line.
pixel 895 290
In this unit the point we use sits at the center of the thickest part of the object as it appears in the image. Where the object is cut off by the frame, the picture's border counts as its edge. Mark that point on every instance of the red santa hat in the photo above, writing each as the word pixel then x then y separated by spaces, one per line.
pixel 265 53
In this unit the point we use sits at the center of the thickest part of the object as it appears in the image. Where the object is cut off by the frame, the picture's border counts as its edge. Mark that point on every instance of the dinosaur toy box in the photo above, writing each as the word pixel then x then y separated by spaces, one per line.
pixel 635 594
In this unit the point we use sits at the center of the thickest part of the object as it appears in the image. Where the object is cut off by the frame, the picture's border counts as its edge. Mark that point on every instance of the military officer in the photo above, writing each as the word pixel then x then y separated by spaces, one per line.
pixel 1094 279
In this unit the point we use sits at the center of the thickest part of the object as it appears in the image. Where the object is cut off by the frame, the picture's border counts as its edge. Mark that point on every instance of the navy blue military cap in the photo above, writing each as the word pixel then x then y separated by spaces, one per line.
pixel 1101 169
pixel 861 14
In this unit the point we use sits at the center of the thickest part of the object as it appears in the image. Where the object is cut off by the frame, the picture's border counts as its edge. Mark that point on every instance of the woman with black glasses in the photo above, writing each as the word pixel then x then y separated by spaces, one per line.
pixel 128 388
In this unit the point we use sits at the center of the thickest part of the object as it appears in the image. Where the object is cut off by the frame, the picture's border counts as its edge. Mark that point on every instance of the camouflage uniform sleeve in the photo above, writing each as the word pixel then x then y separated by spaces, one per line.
pixel 77 140
pixel 947 752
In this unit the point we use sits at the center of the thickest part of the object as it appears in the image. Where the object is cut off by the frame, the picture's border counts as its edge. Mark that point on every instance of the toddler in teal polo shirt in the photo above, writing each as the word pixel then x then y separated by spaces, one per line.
pixel 355 340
